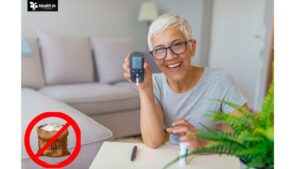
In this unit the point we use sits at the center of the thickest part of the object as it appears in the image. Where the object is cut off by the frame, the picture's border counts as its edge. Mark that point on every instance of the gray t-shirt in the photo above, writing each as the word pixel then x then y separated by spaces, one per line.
pixel 196 104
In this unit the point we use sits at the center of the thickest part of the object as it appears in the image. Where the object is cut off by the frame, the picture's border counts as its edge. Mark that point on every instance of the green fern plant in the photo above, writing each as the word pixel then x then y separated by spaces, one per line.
pixel 251 137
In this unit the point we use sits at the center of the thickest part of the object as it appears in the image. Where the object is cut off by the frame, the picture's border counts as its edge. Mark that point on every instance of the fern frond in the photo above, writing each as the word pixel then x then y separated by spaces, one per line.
pixel 217 148
pixel 251 138
pixel 172 162
pixel 266 134
pixel 248 138
pixel 268 104
pixel 260 155
pixel 267 111
pixel 237 107
pixel 225 137
pixel 237 123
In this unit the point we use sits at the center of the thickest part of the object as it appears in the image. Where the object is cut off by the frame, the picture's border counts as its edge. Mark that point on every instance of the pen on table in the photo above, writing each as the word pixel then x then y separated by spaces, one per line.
pixel 133 153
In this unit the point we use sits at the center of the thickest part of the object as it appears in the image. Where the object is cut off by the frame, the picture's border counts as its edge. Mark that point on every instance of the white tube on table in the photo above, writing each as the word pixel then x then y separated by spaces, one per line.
pixel 184 152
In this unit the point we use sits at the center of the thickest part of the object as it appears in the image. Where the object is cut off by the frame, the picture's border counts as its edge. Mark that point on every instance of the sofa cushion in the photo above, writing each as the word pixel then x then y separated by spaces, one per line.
pixel 95 98
pixel 35 103
pixel 66 59
pixel 32 72
pixel 109 57
pixel 126 85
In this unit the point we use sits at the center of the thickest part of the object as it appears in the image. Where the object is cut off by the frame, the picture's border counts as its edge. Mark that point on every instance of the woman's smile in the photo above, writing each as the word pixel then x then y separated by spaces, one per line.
pixel 174 67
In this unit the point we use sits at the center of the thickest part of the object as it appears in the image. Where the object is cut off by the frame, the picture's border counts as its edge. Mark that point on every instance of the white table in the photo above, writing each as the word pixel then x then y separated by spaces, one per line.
pixel 116 155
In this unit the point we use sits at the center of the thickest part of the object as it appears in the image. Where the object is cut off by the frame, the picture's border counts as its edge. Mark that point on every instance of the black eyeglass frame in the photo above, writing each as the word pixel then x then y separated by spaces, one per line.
pixel 170 47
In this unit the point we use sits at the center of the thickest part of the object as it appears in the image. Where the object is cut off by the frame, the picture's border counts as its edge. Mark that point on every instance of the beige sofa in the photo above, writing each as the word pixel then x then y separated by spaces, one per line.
pixel 86 74
pixel 92 133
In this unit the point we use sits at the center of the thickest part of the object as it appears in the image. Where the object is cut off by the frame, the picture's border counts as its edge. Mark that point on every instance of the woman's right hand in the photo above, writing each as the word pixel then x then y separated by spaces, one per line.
pixel 147 83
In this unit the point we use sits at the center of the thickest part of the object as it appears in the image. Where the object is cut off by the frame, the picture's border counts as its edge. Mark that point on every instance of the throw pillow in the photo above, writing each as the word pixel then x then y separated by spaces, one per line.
pixel 32 72
pixel 109 57
pixel 66 59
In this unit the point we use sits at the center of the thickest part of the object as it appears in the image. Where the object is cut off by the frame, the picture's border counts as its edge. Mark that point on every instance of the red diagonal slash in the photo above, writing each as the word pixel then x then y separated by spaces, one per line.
pixel 52 140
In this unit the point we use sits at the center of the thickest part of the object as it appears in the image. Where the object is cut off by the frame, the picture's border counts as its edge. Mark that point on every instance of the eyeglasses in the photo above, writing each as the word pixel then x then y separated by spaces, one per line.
pixel 176 48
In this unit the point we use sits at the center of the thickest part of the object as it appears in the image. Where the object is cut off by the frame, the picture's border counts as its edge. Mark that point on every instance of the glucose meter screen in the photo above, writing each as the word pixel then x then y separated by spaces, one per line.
pixel 137 62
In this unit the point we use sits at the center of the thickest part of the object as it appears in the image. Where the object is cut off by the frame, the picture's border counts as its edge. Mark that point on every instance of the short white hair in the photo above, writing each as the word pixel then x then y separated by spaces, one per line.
pixel 166 21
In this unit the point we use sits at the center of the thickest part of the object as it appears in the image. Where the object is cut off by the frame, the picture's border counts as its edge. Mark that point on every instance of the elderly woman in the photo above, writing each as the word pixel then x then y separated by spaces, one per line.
pixel 179 98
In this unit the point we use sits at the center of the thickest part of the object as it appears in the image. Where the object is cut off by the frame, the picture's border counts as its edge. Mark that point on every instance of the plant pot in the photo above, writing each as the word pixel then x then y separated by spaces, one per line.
pixel 244 166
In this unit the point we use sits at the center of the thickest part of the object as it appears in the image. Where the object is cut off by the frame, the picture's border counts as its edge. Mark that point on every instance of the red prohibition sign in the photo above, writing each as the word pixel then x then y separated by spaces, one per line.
pixel 35 156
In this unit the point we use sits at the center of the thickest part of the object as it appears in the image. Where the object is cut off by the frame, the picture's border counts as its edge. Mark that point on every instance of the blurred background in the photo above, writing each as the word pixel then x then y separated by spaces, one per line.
pixel 236 35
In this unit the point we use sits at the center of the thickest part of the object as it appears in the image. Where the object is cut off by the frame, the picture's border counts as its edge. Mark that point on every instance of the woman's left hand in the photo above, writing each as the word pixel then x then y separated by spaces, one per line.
pixel 186 130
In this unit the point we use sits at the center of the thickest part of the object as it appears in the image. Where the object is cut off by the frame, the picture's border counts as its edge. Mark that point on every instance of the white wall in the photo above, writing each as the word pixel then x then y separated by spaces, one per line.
pixel 113 18
pixel 240 38
pixel 105 18
pixel 191 10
